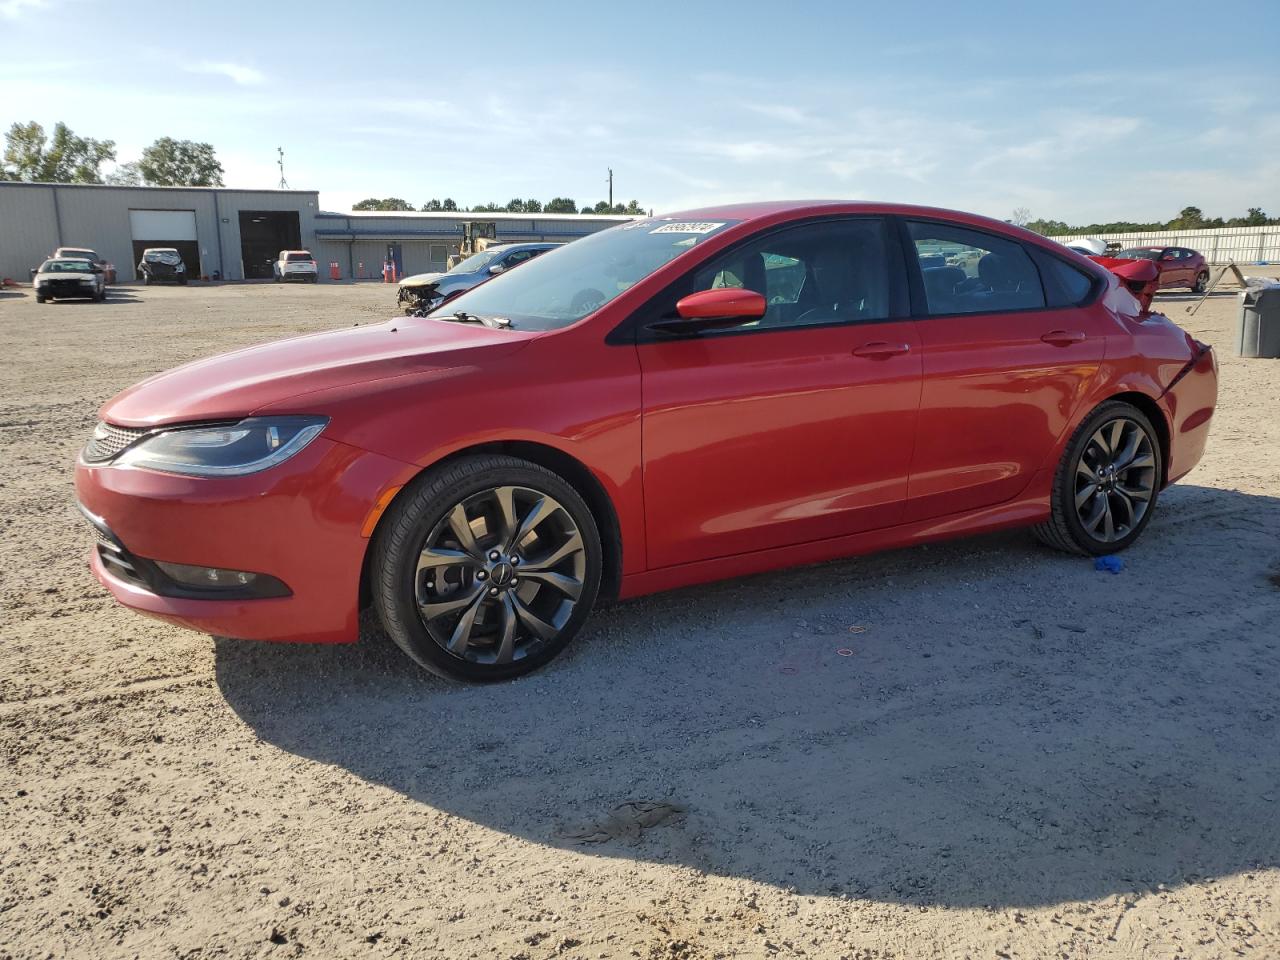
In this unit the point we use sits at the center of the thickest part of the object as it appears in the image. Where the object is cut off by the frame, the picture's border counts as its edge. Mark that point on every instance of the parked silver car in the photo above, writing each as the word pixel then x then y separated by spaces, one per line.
pixel 65 279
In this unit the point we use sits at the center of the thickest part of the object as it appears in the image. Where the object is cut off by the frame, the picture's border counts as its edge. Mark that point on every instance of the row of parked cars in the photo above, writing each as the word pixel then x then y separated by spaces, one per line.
pixel 1175 266
pixel 82 274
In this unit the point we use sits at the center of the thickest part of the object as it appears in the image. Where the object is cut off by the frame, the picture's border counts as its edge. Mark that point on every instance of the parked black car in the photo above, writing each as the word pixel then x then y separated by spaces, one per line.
pixel 162 265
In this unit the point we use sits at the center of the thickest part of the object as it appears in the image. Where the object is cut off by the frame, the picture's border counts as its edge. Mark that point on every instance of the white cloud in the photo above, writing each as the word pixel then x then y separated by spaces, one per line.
pixel 236 72
pixel 15 9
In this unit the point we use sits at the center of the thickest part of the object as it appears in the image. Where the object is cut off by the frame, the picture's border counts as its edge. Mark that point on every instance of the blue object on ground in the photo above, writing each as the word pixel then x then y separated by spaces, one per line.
pixel 1110 563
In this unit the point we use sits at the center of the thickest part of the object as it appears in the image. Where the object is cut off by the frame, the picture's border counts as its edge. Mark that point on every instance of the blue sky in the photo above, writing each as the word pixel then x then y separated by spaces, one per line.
pixel 1055 107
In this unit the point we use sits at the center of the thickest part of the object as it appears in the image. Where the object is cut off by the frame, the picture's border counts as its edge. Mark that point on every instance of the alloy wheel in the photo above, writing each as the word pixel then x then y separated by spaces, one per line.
pixel 500 575
pixel 1115 480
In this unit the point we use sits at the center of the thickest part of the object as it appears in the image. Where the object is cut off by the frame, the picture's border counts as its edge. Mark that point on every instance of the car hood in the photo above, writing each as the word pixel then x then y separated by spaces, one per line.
pixel 236 384
pixel 418 279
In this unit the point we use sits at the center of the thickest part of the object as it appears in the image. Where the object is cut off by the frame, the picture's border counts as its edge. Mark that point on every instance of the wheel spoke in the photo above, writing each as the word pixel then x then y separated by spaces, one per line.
pixel 1099 440
pixel 1084 470
pixel 568 548
pixel 507 642
pixel 571 587
pixel 505 497
pixel 1096 514
pixel 462 632
pixel 461 528
pixel 433 557
pixel 1117 434
pixel 434 611
pixel 541 509
pixel 1139 462
pixel 531 620
pixel 1085 494
pixel 1128 509
pixel 1134 493
pixel 1131 447
pixel 1108 521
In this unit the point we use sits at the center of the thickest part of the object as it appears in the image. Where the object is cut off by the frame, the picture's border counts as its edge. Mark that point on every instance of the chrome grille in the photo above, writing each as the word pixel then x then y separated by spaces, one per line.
pixel 108 440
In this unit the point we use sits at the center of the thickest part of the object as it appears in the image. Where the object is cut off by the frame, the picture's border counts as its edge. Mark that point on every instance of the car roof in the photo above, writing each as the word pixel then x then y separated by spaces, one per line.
pixel 76 249
pixel 795 209
pixel 160 250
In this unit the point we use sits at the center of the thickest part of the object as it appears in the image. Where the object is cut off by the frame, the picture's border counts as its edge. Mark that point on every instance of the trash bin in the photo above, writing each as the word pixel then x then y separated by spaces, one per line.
pixel 1259 327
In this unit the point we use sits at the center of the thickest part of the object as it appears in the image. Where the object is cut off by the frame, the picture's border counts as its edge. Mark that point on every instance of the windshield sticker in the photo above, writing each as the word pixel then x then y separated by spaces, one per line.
pixel 688 228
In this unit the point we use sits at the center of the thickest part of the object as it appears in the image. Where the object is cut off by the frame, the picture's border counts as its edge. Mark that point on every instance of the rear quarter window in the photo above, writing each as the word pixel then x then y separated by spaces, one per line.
pixel 1066 285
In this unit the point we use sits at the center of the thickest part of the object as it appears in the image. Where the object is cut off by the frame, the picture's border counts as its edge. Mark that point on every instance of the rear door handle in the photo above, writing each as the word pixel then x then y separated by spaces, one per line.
pixel 1064 338
pixel 881 350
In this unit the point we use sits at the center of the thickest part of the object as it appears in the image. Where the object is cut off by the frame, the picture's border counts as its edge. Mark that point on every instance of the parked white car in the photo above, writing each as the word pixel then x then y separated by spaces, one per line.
pixel 295 265
pixel 64 279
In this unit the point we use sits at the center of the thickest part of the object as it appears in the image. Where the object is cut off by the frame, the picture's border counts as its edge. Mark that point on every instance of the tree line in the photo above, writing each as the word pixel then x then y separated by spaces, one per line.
pixel 32 156
pixel 1191 218
pixel 554 205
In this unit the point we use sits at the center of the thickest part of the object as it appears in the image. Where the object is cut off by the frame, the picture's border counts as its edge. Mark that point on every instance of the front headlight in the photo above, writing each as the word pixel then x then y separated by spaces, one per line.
pixel 224 450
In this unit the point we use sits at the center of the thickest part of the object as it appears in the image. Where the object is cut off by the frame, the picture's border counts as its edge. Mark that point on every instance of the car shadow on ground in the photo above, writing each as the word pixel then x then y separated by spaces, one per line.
pixel 982 722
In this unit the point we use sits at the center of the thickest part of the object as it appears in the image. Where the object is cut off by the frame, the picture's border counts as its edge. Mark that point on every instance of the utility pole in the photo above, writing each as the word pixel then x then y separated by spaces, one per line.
pixel 611 188
pixel 284 184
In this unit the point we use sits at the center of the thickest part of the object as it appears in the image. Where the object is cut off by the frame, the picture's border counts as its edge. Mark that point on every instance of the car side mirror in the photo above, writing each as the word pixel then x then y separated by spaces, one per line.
pixel 497 268
pixel 714 309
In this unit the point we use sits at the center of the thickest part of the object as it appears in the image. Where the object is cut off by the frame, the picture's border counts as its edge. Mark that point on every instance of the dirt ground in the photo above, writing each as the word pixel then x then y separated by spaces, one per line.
pixel 1017 756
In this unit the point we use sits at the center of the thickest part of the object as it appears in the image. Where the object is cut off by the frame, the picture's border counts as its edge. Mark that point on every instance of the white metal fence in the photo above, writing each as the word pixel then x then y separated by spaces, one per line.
pixel 1253 245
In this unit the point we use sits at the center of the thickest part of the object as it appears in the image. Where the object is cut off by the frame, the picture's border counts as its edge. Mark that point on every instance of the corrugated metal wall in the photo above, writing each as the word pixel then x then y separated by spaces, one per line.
pixel 36 218
pixel 1241 244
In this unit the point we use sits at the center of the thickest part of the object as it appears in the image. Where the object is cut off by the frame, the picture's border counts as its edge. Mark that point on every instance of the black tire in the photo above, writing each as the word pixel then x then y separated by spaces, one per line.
pixel 182 281
pixel 420 513
pixel 1065 530
pixel 40 299
pixel 1202 282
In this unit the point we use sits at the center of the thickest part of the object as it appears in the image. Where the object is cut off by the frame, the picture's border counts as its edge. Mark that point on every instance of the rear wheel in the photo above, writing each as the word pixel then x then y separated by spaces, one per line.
pixel 1202 282
pixel 1106 487
pixel 484 569
pixel 41 299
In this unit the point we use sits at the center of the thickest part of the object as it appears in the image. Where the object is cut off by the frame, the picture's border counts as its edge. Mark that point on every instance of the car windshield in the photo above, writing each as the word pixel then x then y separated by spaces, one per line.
pixel 477 261
pixel 161 256
pixel 66 266
pixel 299 255
pixel 1139 253
pixel 563 285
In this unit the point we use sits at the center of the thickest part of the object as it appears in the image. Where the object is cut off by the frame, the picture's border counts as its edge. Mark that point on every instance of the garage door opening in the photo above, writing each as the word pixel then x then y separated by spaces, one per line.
pixel 166 228
pixel 263 234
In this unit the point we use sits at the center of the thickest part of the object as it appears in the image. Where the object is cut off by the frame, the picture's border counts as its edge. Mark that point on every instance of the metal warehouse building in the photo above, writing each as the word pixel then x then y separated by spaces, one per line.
pixel 236 234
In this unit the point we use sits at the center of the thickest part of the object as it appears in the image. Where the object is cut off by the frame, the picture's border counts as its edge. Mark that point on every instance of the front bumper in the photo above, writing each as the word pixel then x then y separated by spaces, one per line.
pixel 299 522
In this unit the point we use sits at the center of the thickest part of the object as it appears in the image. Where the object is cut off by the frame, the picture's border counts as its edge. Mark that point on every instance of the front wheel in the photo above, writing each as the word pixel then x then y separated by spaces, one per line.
pixel 1202 282
pixel 485 568
pixel 1107 483
pixel 40 299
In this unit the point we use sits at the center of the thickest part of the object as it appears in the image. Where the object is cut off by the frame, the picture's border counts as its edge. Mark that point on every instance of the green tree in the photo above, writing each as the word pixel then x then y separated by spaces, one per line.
pixel 180 163
pixel 1191 218
pixel 561 205
pixel 532 206
pixel 431 206
pixel 514 206
pixel 634 209
pixel 63 158
pixel 1256 218
pixel 386 204
pixel 125 175
pixel 448 204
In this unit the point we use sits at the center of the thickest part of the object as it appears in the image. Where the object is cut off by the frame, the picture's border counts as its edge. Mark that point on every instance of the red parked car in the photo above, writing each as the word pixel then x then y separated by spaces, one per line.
pixel 1178 266
pixel 671 401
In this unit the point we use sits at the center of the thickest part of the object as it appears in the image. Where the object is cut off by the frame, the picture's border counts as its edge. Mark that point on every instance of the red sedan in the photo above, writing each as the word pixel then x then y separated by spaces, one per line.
pixel 671 401
pixel 1177 266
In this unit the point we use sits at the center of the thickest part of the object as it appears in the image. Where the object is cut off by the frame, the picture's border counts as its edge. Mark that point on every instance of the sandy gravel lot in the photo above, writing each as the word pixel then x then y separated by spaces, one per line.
pixel 1022 757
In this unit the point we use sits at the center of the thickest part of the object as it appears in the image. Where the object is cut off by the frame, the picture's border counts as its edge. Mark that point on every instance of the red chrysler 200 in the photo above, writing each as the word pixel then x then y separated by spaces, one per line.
pixel 671 401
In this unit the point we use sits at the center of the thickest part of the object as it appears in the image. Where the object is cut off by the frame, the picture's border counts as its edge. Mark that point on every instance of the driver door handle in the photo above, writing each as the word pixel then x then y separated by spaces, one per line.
pixel 1064 338
pixel 881 350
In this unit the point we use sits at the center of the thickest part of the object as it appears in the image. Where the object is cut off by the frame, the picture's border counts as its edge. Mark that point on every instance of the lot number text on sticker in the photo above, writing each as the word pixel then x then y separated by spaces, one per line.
pixel 688 228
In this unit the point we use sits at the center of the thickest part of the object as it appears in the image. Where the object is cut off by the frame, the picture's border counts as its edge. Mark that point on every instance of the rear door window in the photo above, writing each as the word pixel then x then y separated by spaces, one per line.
pixel 969 271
